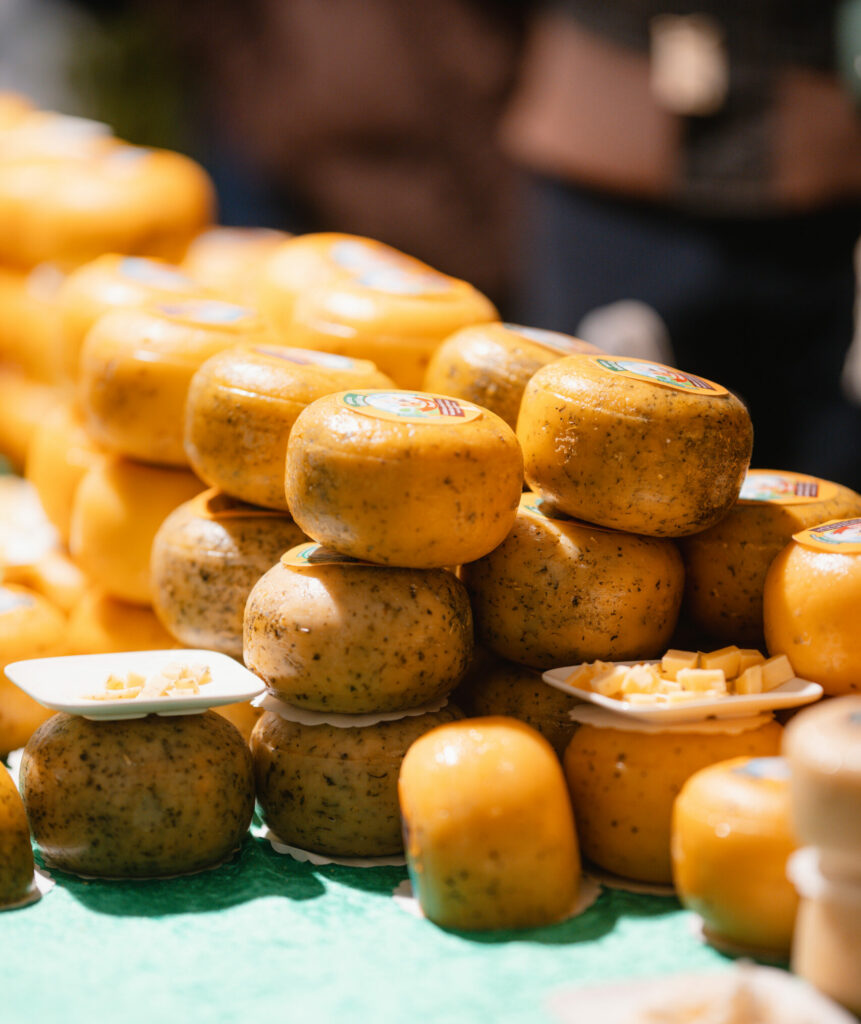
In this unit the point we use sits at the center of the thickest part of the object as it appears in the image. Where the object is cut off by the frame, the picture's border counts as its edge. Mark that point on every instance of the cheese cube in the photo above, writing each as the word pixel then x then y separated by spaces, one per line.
pixel 726 659
pixel 775 671
pixel 747 656
pixel 702 679
pixel 674 660
pixel 750 681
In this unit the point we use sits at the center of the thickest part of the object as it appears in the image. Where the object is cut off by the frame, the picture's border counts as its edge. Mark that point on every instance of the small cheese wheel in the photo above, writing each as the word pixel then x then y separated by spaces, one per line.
pixel 725 566
pixel 30 336
pixel 119 506
pixel 171 795
pixel 206 557
pixel 101 624
pixel 16 853
pixel 242 405
pixel 358 638
pixel 559 592
pixel 24 404
pixel 490 364
pixel 335 791
pixel 643 448
pixel 403 478
pixel 136 366
pixel 624 776
pixel 489 834
pixel 230 261
pixel 731 839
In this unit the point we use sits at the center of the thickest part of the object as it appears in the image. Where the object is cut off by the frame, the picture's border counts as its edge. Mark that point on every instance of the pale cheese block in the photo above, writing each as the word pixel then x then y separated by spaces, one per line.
pixel 101 624
pixel 16 853
pixel 230 261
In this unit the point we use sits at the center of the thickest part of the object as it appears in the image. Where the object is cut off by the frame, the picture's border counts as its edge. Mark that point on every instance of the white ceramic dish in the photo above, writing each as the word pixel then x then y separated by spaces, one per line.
pixel 790 694
pixel 60 683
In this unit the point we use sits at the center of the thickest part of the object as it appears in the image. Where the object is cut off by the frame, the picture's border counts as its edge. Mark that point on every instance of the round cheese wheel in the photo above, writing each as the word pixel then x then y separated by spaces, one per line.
pixel 558 592
pixel 24 404
pixel 358 638
pixel 45 135
pixel 26 535
pixel 54 576
pixel 488 828
pixel 101 624
pixel 16 853
pixel 230 261
pixel 335 791
pixel 725 566
pixel 634 445
pixel 171 795
pixel 30 336
pixel 206 557
pixel 490 364
pixel 403 478
pixel 118 507
pixel 731 839
pixel 136 366
pixel 242 405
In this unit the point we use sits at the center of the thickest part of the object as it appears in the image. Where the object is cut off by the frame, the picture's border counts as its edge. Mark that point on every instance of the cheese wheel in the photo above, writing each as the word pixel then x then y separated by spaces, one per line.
pixel 54 576
pixel 101 624
pixel 119 506
pixel 230 261
pixel 725 566
pixel 358 638
pixel 731 839
pixel 242 405
pixel 335 791
pixel 44 135
pixel 16 854
pixel 634 445
pixel 24 404
pixel 242 716
pixel 171 795
pixel 206 557
pixel 26 535
pixel 13 109
pixel 490 364
pixel 30 337
pixel 624 776
pixel 403 478
pixel 136 366
pixel 559 592
pixel 489 833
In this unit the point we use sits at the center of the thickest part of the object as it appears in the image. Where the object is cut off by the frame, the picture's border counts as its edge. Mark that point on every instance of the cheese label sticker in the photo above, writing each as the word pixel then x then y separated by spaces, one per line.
pixel 780 488
pixel 155 275
pixel 210 313
pixel 554 340
pixel 358 255
pixel 657 373
pixel 841 536
pixel 400 281
pixel 11 599
pixel 305 555
pixel 381 269
pixel 308 357
pixel 216 505
pixel 536 506
pixel 773 769
pixel 411 406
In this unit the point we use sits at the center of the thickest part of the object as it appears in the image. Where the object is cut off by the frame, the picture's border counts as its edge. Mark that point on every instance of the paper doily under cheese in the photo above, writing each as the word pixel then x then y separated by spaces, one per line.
pixel 269 702
pixel 591 714
pixel 319 859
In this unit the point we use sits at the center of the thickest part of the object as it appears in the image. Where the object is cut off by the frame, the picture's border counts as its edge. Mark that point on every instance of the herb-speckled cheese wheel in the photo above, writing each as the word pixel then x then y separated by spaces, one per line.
pixel 206 557
pixel 358 638
pixel 490 364
pixel 403 478
pixel 101 624
pixel 489 833
pixel 731 838
pixel 558 592
pixel 170 795
pixel 335 791
pixel 16 853
pixel 230 261
pixel 242 405
pixel 634 445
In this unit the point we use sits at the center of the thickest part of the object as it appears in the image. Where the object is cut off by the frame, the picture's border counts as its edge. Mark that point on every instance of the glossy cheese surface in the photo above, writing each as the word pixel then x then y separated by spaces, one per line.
pixel 16 854
pixel 101 624
pixel 230 261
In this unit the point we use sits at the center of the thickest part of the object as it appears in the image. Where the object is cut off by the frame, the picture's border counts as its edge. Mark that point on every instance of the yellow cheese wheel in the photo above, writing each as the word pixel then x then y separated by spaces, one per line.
pixel 119 506
pixel 242 716
pixel 24 404
pixel 489 834
pixel 558 592
pixel 490 364
pixel 136 366
pixel 101 624
pixel 230 261
pixel 634 445
pixel 242 405
pixel 725 566
pixel 358 638
pixel 30 336
pixel 43 135
pixel 16 854
pixel 206 557
pixel 731 839
pixel 13 109
pixel 54 576
pixel 335 791
pixel 403 478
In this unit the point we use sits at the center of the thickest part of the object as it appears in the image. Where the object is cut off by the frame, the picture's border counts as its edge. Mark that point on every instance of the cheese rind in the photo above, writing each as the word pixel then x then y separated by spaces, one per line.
pixel 16 853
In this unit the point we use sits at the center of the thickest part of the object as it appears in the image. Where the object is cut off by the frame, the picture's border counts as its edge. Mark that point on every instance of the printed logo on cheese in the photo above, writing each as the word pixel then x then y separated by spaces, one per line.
pixel 775 769
pixel 411 406
pixel 842 536
pixel 210 313
pixel 657 373
pixel 784 488
pixel 308 357
pixel 549 339
pixel 150 273
pixel 11 599
pixel 305 555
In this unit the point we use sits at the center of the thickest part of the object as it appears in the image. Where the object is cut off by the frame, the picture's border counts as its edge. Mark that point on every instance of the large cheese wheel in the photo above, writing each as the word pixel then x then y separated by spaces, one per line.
pixel 558 592
pixel 24 404
pixel 16 853
pixel 242 405
pixel 634 445
pixel 489 833
pixel 30 336
pixel 230 261
pixel 206 557
pixel 403 478
pixel 101 624
pixel 725 566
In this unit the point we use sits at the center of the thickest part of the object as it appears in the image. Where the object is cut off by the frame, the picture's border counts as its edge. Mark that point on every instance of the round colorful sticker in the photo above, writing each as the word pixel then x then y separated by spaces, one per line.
pixel 534 505
pixel 153 274
pixel 657 373
pixel 11 599
pixel 775 769
pixel 842 536
pixel 551 339
pixel 309 357
pixel 411 406
pixel 304 555
pixel 210 313
pixel 784 488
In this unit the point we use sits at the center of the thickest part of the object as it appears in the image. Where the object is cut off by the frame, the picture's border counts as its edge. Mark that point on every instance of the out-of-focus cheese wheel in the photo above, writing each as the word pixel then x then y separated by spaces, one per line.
pixel 242 405
pixel 13 109
pixel 558 592
pixel 24 404
pixel 206 557
pixel 810 605
pixel 624 776
pixel 490 364
pixel 725 566
pixel 16 853
pixel 101 624
pixel 30 627
pixel 26 534
pixel 43 135
pixel 357 638
pixel 171 795
pixel 634 445
pixel 489 833
pixel 119 506
pixel 335 791
pixel 230 261
pixel 403 478
pixel 54 576
pixel 731 839
pixel 136 366
pixel 30 336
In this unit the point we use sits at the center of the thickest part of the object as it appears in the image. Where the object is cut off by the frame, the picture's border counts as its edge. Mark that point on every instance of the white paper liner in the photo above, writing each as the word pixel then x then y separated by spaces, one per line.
pixel 700 931
pixel 611 881
pixel 309 857
pixel 269 702
pixel 601 718
pixel 43 883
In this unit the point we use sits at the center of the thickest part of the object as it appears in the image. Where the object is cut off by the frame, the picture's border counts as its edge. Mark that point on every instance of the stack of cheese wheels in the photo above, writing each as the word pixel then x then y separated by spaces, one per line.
pixel 230 261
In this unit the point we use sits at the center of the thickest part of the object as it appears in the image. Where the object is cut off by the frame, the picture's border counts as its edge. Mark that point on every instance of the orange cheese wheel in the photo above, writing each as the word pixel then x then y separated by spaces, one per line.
pixel 230 261
pixel 24 404
pixel 16 853
pixel 101 624
pixel 30 337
